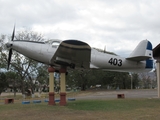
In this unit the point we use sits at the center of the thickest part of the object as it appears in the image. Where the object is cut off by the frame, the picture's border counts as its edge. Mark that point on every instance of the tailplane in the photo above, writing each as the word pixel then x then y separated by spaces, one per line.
pixel 142 52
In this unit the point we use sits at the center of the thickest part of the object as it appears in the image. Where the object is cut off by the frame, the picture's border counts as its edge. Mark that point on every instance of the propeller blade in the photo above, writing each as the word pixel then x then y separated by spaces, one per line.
pixel 10 50
pixel 104 49
pixel 13 33
pixel 9 58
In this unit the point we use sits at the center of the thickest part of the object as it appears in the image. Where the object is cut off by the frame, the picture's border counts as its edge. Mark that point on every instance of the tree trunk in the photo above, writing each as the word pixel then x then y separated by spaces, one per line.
pixel 23 90
pixel 14 92
pixel 83 88
pixel 32 92
pixel 124 84
pixel 39 92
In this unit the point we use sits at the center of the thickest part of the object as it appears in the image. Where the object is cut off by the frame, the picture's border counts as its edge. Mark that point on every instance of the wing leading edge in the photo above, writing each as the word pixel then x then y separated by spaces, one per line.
pixel 73 53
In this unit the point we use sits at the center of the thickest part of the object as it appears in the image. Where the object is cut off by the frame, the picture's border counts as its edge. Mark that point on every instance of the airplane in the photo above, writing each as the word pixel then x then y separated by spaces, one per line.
pixel 76 54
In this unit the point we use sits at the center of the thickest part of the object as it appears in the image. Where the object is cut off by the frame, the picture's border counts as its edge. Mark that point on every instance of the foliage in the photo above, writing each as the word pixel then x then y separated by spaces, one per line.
pixel 110 80
pixel 3 82
pixel 3 55
pixel 135 80
pixel 29 74
pixel 147 80
pixel 25 69
pixel 13 80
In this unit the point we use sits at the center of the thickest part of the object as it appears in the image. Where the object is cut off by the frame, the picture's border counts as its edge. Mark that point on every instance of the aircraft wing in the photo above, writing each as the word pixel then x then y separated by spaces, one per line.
pixel 72 53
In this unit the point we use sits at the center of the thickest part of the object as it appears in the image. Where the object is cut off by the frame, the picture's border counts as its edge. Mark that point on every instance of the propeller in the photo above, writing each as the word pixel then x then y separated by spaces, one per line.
pixel 10 50
pixel 104 49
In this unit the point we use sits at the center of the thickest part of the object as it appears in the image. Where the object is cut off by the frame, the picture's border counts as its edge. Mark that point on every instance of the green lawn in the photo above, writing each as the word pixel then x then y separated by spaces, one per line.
pixel 114 105
pixel 124 109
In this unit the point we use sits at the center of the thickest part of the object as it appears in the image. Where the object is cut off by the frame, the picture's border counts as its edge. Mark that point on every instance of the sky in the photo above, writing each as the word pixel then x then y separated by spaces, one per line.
pixel 116 25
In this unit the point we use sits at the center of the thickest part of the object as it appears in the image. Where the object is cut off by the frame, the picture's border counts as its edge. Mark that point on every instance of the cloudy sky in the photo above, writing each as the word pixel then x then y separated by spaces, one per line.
pixel 117 24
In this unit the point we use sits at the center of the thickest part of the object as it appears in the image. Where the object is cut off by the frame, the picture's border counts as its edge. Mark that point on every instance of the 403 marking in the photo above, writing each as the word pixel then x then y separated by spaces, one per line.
pixel 115 61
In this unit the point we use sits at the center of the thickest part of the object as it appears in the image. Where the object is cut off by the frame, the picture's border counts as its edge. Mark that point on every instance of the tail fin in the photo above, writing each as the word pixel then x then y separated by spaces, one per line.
pixel 142 52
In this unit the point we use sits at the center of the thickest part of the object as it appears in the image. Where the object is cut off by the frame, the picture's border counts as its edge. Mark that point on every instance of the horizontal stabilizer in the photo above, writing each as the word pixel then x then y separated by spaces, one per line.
pixel 142 52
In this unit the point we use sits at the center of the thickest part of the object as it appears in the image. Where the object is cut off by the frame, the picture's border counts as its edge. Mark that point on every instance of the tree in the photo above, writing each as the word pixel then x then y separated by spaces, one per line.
pixel 120 80
pixel 42 77
pixel 25 67
pixel 3 55
pixel 145 80
pixel 28 72
pixel 12 79
pixel 3 82
pixel 107 79
pixel 78 78
pixel 135 80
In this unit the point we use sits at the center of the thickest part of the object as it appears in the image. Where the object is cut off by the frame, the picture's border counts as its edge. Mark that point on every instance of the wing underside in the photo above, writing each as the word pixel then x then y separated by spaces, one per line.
pixel 73 53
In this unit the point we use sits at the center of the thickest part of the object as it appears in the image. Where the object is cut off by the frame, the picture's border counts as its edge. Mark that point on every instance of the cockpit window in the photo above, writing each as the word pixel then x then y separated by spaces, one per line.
pixel 53 42
pixel 104 51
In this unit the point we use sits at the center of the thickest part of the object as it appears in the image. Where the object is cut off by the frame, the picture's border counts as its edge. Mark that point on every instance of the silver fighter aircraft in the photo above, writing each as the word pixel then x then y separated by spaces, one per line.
pixel 79 55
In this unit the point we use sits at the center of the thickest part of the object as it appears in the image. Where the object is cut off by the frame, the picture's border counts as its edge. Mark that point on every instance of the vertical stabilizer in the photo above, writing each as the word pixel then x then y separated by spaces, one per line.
pixel 142 52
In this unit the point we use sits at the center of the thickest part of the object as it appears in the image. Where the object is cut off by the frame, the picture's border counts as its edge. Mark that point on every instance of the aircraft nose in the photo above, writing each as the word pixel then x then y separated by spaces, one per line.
pixel 9 45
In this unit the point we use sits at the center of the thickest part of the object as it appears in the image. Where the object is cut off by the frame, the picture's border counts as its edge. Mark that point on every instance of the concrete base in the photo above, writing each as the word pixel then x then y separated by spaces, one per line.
pixel 120 96
pixel 158 77
pixel 62 99
pixel 51 99
pixel 9 100
pixel 25 102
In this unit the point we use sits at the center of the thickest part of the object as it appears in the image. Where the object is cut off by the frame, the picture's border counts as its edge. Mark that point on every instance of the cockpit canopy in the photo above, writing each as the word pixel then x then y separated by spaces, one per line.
pixel 53 42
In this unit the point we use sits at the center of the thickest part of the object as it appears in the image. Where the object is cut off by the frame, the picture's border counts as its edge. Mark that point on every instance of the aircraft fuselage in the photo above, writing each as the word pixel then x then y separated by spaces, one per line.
pixel 43 52
pixel 116 63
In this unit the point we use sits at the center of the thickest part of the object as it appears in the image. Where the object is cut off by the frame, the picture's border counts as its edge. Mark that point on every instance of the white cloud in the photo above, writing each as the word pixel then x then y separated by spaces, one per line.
pixel 119 25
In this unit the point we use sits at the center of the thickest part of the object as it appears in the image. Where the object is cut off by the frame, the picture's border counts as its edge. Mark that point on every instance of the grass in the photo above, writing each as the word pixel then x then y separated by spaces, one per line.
pixel 114 105
pixel 126 109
